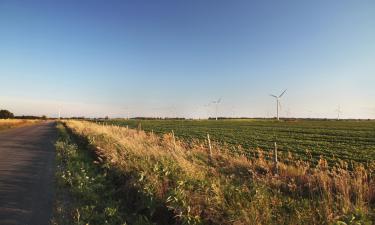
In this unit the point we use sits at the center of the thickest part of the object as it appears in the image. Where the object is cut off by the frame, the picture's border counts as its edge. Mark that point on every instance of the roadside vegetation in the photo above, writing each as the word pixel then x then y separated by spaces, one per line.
pixel 85 193
pixel 8 120
pixel 165 180
pixel 306 139
pixel 11 123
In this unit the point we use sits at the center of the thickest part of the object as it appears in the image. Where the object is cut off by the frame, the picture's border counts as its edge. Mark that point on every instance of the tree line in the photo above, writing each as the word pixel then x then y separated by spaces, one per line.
pixel 6 114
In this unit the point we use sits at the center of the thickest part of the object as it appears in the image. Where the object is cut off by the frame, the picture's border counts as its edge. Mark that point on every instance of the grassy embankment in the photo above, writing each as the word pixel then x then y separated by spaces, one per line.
pixel 11 123
pixel 168 181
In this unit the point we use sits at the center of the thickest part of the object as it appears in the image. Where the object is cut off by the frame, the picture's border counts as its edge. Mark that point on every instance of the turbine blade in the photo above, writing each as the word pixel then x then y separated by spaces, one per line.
pixel 274 96
pixel 282 93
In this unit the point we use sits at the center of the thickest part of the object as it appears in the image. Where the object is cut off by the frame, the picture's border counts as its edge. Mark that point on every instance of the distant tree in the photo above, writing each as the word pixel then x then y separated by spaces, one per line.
pixel 5 114
pixel 44 117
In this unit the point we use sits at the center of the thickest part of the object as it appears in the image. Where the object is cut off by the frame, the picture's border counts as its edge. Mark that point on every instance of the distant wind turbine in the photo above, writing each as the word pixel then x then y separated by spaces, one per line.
pixel 216 106
pixel 278 104
pixel 339 111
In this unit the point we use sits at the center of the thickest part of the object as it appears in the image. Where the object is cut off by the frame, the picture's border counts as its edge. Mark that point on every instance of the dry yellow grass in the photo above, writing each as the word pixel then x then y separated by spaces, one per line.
pixel 229 188
pixel 10 123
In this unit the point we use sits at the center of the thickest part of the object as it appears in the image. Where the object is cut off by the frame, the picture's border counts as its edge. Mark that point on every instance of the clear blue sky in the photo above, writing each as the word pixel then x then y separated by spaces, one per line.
pixel 166 58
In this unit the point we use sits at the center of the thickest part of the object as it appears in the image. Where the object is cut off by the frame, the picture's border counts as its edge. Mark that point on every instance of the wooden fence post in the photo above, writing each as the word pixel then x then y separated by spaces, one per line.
pixel 174 139
pixel 276 161
pixel 209 146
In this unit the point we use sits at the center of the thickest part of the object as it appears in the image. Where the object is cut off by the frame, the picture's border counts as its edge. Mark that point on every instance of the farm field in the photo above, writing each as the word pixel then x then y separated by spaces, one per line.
pixel 346 140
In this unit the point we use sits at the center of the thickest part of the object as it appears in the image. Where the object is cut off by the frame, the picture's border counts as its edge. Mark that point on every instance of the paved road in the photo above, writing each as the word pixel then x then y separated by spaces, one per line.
pixel 27 157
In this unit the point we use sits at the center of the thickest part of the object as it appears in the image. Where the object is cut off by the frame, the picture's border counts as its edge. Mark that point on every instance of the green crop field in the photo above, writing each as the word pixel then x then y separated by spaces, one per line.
pixel 347 140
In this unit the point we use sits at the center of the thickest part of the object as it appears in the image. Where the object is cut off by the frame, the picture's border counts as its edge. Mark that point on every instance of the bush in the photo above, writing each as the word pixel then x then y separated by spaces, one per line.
pixel 5 114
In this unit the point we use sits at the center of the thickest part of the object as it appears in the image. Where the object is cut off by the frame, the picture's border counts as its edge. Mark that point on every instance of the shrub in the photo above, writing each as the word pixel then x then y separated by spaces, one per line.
pixel 5 114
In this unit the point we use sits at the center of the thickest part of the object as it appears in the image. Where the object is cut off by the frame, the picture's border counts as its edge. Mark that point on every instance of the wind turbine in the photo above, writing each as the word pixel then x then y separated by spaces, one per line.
pixel 59 113
pixel 278 105
pixel 216 106
pixel 339 111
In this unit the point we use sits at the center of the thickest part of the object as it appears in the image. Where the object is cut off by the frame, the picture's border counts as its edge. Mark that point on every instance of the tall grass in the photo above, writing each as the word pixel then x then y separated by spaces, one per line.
pixel 346 140
pixel 10 123
pixel 84 192
pixel 175 182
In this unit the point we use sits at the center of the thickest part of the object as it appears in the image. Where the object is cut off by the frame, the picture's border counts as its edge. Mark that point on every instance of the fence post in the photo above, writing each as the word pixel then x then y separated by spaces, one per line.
pixel 276 161
pixel 209 146
pixel 174 139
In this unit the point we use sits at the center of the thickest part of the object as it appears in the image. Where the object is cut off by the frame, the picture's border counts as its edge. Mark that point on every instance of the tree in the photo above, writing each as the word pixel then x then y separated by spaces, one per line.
pixel 5 114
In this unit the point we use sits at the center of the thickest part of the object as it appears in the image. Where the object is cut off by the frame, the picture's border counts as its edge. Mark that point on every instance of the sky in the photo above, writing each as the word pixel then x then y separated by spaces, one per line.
pixel 173 58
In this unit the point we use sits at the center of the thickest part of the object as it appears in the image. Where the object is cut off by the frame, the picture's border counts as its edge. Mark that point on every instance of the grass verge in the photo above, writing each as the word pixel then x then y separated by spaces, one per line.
pixel 85 193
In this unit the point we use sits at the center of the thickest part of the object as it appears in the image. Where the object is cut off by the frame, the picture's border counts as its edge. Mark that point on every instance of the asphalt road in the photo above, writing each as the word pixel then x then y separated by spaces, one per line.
pixel 27 157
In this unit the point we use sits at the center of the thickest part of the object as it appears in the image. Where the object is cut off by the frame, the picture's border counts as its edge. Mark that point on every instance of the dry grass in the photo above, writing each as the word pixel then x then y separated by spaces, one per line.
pixel 10 123
pixel 228 188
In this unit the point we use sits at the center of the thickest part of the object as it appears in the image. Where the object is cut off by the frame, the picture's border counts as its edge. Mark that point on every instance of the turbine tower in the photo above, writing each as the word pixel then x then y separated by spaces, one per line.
pixel 216 107
pixel 339 111
pixel 278 105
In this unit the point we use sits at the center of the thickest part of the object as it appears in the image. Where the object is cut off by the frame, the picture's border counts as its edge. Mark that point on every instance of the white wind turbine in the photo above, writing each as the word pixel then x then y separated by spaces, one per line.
pixel 59 114
pixel 216 106
pixel 339 111
pixel 278 105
